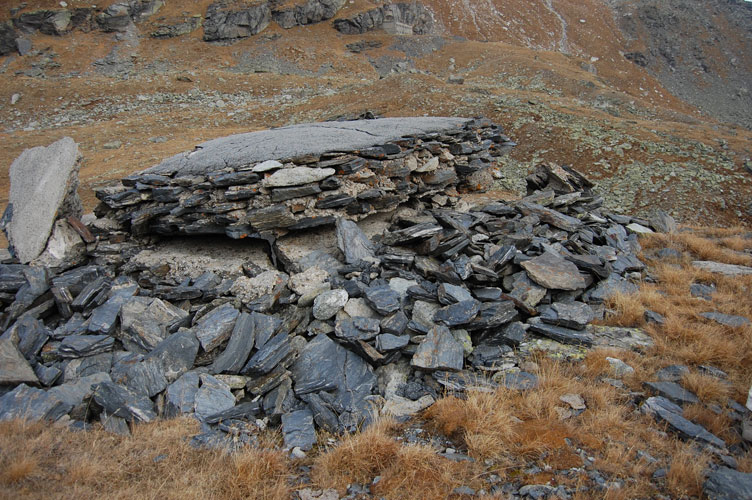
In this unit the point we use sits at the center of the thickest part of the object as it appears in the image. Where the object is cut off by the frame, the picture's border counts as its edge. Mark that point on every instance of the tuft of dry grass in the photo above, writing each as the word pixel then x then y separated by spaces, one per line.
pixel 156 461
pixel 358 458
pixel 686 472
pixel 707 388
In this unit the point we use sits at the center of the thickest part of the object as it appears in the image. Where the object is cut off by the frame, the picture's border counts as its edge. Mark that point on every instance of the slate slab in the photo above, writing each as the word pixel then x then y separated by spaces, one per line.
pixel 721 268
pixel 553 272
pixel 176 353
pixel 298 430
pixel 728 484
pixel 216 326
pixel 345 375
pixel 353 242
pixel 575 315
pixel 14 369
pixel 30 403
pixel 383 299
pixel 561 334
pixel 41 179
pixel 181 394
pixel 731 320
pixel 212 397
pixel 439 351
pixel 124 403
pixel 298 140
pixel 664 410
pixel 672 391
pixel 238 348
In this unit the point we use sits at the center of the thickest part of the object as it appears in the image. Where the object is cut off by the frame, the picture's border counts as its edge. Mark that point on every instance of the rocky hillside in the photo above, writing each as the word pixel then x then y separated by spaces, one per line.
pixel 614 88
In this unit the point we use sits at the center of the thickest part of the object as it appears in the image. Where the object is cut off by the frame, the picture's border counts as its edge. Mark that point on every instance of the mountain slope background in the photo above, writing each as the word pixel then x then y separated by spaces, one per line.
pixel 649 98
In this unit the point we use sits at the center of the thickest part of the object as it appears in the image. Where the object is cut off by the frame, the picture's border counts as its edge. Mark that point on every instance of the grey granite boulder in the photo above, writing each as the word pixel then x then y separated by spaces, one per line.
pixel 43 183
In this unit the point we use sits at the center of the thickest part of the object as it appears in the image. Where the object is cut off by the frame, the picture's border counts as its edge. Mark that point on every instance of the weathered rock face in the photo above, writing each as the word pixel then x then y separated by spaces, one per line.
pixel 7 38
pixel 309 12
pixel 236 186
pixel 43 187
pixel 414 15
pixel 232 19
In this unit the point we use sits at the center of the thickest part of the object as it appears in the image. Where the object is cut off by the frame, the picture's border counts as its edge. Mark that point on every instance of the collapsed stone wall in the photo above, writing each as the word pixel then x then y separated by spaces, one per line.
pixel 268 198
pixel 441 298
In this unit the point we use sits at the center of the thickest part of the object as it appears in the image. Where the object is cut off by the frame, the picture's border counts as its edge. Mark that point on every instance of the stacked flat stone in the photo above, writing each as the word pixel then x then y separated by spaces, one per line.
pixel 305 176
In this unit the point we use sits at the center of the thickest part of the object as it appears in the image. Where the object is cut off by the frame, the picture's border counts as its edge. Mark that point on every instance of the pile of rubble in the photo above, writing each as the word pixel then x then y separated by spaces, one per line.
pixel 441 297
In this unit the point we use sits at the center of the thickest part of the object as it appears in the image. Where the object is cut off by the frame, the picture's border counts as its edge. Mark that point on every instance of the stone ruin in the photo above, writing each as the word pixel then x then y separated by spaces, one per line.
pixel 313 276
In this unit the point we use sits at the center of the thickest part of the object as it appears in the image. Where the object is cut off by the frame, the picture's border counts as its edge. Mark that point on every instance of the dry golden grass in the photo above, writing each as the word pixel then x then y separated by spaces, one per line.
pixel 358 458
pixel 687 470
pixel 156 462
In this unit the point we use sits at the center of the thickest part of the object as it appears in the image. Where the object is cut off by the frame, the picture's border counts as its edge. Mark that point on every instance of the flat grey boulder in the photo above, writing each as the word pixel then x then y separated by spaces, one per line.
pixel 439 351
pixel 307 139
pixel 728 484
pixel 43 183
pixel 553 272
pixel 29 403
pixel 721 268
pixel 298 430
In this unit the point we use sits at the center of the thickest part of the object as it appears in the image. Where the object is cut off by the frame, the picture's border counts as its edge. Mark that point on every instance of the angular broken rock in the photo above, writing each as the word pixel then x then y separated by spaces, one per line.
pixel 181 394
pixel 439 351
pixel 664 410
pixel 347 376
pixel 575 315
pixel 721 268
pixel 212 397
pixel 383 299
pixel 327 304
pixel 728 484
pixel 29 403
pixel 176 353
pixel 124 403
pixel 296 176
pixel 298 430
pixel 238 348
pixel 14 369
pixel 561 334
pixel 672 391
pixel 553 272
pixel 353 243
pixel 216 327
pixel 43 183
